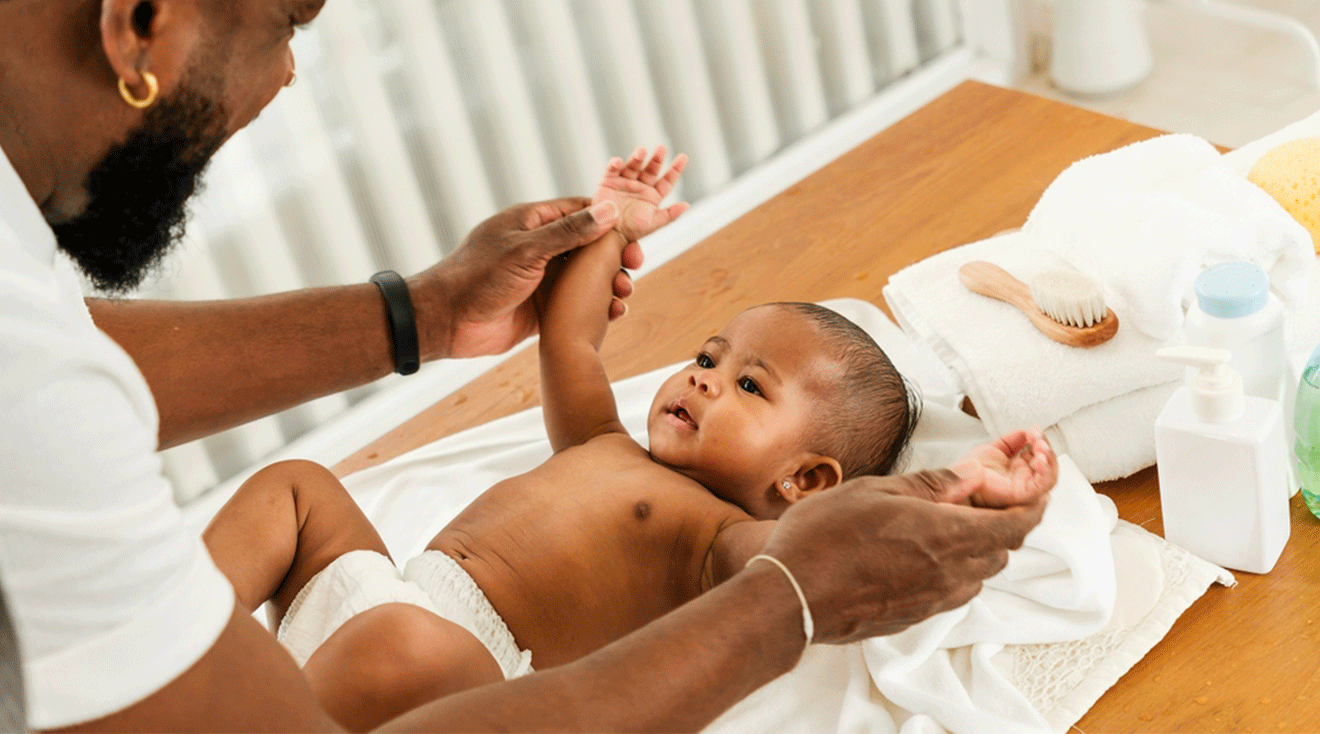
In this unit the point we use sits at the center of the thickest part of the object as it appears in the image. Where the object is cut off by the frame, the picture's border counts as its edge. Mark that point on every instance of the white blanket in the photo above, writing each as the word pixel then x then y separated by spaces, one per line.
pixel 1032 653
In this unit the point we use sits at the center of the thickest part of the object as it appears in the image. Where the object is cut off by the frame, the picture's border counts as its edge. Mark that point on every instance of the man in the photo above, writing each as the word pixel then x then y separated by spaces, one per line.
pixel 109 110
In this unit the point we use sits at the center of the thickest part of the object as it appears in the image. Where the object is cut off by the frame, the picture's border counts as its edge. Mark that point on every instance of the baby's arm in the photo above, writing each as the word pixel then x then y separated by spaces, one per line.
pixel 578 403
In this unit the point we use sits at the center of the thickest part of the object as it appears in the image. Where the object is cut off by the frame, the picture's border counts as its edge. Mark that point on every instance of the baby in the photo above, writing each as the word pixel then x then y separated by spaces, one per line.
pixel 789 399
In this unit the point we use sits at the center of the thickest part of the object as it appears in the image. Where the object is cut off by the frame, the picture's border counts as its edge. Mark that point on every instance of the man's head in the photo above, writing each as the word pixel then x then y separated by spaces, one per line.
pixel 113 178
pixel 789 399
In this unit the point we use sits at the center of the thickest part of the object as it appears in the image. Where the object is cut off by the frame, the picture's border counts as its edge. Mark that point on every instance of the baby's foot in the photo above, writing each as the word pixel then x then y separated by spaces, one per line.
pixel 637 188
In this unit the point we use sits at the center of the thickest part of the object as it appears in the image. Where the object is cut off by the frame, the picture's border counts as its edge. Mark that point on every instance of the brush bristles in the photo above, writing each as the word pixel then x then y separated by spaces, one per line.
pixel 1069 297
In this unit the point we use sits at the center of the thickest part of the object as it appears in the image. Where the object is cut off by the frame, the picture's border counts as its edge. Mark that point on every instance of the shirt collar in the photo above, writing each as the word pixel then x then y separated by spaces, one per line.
pixel 21 215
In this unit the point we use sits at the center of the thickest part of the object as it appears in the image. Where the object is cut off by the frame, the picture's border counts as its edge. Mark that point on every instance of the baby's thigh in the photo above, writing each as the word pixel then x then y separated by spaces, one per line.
pixel 393 658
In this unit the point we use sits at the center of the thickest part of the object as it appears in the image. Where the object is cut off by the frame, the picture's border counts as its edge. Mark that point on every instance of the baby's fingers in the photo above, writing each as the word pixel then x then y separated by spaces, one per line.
pixel 666 184
pixel 633 168
pixel 652 171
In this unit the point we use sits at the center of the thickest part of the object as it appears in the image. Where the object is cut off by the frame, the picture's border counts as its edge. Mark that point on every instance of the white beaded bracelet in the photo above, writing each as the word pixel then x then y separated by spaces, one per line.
pixel 808 626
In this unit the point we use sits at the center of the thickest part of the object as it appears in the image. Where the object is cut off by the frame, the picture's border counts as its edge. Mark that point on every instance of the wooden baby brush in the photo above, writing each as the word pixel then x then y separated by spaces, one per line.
pixel 1067 307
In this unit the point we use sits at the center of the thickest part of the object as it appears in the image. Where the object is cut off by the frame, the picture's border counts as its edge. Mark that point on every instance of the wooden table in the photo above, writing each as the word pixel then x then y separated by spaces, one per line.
pixel 968 165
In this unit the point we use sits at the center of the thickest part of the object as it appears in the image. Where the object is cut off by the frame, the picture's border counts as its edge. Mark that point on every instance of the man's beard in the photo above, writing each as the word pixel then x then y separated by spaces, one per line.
pixel 139 193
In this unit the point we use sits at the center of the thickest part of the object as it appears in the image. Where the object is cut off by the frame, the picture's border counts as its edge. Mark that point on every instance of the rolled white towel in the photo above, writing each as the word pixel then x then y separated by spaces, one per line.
pixel 1146 218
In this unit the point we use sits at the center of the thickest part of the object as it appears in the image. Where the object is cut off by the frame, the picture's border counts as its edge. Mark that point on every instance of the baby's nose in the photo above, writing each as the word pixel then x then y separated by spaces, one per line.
pixel 705 382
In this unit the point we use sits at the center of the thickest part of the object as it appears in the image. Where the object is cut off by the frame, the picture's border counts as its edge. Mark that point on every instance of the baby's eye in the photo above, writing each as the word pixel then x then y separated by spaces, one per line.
pixel 704 361
pixel 749 385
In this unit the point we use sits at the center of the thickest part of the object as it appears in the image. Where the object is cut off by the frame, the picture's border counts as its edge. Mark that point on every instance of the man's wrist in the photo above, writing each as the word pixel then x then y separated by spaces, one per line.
pixel 778 611
pixel 434 314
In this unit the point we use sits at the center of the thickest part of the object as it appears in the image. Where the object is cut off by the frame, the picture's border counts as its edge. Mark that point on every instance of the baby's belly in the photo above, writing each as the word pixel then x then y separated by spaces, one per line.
pixel 571 571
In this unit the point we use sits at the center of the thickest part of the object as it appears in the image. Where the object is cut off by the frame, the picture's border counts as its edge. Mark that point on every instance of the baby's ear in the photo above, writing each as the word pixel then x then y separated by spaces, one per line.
pixel 815 474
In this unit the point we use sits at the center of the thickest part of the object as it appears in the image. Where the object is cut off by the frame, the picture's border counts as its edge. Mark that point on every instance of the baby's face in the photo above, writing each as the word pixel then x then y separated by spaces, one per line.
pixel 737 417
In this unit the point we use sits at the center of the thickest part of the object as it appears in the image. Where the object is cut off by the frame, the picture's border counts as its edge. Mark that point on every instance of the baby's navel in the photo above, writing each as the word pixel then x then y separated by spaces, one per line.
pixel 642 509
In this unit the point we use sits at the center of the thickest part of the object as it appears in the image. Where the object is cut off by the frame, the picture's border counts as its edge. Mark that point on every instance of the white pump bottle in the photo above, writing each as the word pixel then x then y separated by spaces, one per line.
pixel 1223 465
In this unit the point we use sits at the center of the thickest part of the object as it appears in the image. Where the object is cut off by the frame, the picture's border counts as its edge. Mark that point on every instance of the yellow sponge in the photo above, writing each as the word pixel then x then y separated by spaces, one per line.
pixel 1291 174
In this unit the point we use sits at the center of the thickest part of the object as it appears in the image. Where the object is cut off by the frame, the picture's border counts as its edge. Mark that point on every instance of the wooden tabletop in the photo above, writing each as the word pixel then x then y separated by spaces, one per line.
pixel 970 164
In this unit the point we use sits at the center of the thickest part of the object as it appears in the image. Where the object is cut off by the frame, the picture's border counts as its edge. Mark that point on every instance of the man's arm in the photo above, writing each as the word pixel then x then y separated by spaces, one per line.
pixel 870 562
pixel 214 365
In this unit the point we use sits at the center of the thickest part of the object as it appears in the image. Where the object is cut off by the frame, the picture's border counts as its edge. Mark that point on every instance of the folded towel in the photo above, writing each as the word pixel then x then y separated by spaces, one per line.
pixel 1016 376
pixel 1102 439
pixel 1145 219
pixel 1040 644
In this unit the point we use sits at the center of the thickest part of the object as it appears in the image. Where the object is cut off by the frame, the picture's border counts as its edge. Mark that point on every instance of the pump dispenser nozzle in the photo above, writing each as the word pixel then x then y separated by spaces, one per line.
pixel 1216 388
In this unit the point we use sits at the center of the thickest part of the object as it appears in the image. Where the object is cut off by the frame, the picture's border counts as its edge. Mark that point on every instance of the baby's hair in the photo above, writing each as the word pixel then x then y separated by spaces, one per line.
pixel 874 412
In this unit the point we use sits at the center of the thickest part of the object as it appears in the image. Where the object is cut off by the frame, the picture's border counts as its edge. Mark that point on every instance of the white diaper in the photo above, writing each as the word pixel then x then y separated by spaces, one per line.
pixel 362 579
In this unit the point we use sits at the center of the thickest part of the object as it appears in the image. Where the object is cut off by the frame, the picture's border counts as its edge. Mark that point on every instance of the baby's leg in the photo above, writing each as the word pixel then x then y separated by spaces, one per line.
pixel 281 528
pixel 391 659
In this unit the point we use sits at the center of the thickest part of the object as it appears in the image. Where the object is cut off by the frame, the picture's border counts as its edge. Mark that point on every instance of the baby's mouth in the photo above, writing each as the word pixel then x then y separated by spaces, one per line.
pixel 679 412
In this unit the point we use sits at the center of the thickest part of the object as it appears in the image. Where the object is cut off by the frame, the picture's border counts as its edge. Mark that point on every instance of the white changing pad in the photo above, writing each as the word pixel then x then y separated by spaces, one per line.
pixel 1032 653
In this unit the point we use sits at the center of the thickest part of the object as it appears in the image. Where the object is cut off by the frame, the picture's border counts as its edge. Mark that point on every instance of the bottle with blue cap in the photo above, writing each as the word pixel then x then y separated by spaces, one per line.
pixel 1235 310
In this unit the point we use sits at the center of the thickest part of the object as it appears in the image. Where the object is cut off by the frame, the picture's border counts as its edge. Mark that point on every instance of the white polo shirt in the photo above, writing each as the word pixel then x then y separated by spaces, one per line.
pixel 111 596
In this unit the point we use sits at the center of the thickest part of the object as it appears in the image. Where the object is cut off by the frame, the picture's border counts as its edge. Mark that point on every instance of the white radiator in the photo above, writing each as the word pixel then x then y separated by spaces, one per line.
pixel 412 120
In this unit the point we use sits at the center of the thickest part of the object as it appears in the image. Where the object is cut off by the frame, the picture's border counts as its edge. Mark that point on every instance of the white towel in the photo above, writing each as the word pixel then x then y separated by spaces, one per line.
pixel 1032 653
pixel 1145 219
pixel 1016 376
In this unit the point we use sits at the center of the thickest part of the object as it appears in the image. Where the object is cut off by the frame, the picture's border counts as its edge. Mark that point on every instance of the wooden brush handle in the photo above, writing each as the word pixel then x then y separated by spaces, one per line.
pixel 991 280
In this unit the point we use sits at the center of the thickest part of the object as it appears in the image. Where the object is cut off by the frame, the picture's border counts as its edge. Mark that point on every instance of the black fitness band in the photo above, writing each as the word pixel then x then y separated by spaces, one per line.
pixel 403 323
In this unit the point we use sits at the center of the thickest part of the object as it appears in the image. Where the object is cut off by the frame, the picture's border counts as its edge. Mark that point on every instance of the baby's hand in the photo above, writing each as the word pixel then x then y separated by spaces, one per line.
pixel 1015 469
pixel 637 190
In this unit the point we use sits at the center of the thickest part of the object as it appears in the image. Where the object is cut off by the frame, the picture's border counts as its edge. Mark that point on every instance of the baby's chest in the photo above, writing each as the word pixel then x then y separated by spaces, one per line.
pixel 637 495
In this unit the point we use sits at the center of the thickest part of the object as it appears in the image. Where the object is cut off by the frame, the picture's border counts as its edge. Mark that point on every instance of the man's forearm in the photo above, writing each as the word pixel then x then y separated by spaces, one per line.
pixel 212 365
pixel 676 674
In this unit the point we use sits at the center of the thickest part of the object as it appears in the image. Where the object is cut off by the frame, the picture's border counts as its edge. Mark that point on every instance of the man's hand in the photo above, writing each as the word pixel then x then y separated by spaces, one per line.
pixel 874 560
pixel 478 300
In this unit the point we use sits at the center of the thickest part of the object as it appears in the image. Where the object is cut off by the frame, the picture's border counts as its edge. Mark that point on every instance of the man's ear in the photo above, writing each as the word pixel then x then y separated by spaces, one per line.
pixel 146 36
pixel 814 474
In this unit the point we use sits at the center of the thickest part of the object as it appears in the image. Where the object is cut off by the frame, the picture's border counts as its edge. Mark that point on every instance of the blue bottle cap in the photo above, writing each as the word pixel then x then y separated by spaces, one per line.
pixel 1232 289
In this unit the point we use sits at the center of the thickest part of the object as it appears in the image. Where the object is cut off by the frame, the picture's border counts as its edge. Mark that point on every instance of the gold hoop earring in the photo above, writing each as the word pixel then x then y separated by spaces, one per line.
pixel 153 88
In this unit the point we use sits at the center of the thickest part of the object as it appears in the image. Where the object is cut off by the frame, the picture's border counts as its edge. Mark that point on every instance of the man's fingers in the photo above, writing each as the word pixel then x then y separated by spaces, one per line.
pixel 623 285
pixel 577 229
pixel 541 213
pixel 993 529
pixel 632 256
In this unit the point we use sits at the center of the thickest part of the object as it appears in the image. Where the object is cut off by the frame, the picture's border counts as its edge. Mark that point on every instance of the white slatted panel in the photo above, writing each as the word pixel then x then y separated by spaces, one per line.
pixel 499 99
pixel 450 144
pixel 385 167
pixel 629 109
pixel 845 58
pixel 686 94
pixel 559 79
pixel 413 120
pixel 893 33
pixel 789 44
pixel 325 219
pixel 936 25
pixel 738 74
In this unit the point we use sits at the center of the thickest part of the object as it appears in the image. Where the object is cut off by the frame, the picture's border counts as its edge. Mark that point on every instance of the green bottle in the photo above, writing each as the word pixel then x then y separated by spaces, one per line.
pixel 1306 421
